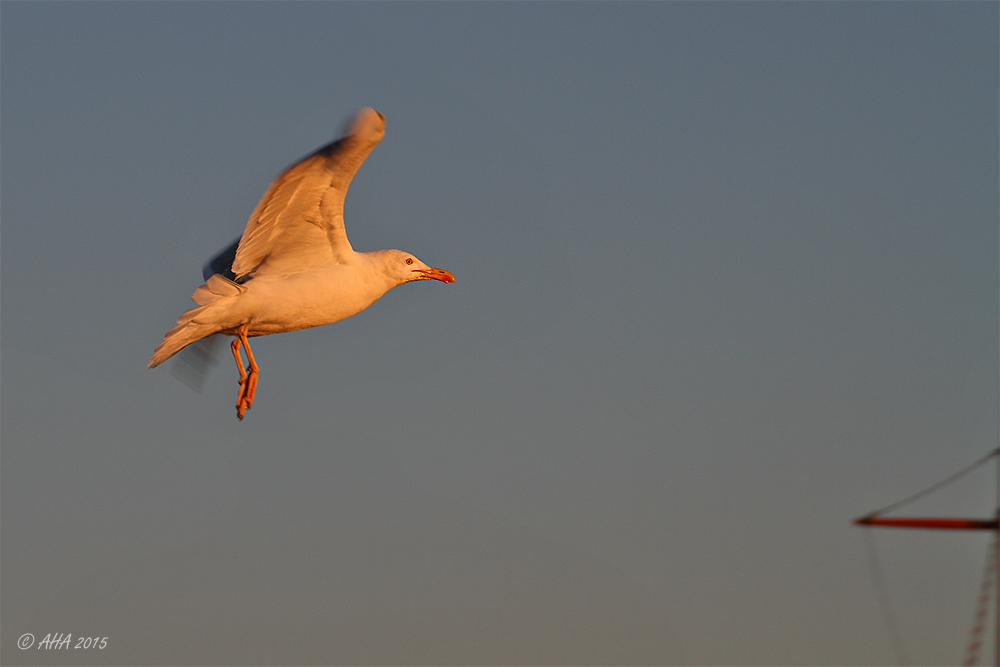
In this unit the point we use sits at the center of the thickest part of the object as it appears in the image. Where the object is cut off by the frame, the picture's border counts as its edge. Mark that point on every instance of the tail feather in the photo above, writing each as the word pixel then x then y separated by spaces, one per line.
pixel 186 332
pixel 215 288
pixel 199 322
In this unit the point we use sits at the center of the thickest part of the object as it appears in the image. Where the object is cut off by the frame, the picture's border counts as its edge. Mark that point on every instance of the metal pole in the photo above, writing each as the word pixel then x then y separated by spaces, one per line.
pixel 940 523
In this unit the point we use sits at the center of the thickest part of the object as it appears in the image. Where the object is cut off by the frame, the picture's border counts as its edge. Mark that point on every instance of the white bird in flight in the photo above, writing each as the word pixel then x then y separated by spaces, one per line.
pixel 294 267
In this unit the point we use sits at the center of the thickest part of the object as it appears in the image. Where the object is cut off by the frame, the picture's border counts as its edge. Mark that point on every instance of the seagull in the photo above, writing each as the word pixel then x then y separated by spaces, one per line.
pixel 294 268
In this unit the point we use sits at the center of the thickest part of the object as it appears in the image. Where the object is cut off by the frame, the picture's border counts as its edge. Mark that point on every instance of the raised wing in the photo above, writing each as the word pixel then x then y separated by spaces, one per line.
pixel 299 222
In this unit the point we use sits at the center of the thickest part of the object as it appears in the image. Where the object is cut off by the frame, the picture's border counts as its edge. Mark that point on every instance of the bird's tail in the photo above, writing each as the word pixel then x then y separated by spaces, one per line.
pixel 199 322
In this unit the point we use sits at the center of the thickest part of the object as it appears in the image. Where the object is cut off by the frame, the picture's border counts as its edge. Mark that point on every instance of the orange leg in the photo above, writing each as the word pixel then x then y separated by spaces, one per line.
pixel 248 380
pixel 240 405
pixel 239 360
pixel 252 369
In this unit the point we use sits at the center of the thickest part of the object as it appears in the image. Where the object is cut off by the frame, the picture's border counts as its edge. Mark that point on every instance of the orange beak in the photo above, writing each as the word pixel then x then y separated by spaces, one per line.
pixel 436 274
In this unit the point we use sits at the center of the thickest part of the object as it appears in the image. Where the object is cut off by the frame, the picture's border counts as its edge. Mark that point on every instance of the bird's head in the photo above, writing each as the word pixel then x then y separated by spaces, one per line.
pixel 405 268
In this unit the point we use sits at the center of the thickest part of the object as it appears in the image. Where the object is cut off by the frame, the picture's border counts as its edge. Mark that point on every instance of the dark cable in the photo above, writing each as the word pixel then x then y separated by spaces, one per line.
pixel 883 600
pixel 937 486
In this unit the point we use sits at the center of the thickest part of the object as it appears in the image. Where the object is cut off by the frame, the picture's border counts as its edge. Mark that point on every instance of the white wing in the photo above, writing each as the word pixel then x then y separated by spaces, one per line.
pixel 299 222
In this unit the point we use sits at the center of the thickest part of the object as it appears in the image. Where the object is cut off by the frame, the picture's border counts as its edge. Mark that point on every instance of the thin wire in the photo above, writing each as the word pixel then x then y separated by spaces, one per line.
pixel 937 486
pixel 982 610
pixel 883 599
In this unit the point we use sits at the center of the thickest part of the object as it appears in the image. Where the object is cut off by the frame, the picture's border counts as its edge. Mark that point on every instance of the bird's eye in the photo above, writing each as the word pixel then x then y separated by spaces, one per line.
pixel 409 260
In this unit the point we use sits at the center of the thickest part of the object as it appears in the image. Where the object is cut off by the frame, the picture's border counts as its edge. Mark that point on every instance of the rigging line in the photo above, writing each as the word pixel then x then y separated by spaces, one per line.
pixel 982 610
pixel 935 487
pixel 882 592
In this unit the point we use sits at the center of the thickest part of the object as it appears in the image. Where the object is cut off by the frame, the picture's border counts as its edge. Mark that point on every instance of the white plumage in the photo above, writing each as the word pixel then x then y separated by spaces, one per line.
pixel 294 267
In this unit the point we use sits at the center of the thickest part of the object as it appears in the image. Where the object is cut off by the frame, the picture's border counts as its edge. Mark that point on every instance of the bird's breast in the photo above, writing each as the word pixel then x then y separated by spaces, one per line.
pixel 310 299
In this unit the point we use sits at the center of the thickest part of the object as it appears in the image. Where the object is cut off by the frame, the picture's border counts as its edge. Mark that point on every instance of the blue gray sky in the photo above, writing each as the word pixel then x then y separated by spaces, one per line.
pixel 727 279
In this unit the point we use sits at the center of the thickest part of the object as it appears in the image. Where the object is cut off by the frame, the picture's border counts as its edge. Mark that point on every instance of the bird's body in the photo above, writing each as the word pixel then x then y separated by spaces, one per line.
pixel 294 267
pixel 278 304
pixel 324 295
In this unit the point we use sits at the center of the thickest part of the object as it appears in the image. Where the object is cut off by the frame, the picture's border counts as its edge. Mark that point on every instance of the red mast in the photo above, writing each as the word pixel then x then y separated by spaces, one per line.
pixel 941 524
